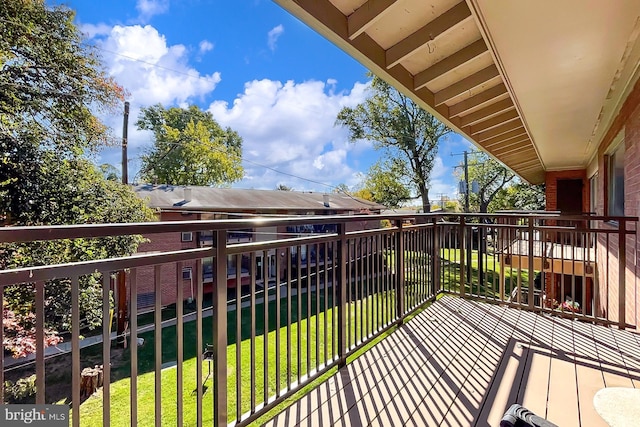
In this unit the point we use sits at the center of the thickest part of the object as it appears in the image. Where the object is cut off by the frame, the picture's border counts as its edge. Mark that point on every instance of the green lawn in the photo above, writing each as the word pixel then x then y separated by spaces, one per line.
pixel 490 285
pixel 306 330
pixel 364 317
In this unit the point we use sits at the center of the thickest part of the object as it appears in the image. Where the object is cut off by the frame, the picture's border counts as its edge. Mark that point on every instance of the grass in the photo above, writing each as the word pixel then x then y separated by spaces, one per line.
pixel 305 331
pixel 490 284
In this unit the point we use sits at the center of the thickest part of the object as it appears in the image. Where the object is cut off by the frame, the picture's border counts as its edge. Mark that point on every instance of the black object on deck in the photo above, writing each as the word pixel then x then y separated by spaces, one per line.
pixel 519 416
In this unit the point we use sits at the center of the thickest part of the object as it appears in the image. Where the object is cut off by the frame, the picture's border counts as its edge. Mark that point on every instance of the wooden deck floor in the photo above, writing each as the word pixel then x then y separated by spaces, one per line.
pixel 462 363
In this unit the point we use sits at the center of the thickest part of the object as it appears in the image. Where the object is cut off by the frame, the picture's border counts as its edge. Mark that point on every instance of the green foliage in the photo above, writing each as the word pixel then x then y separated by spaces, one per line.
pixel 109 172
pixel 20 391
pixel 51 84
pixel 341 188
pixel 405 132
pixel 73 191
pixel 190 148
pixel 383 181
pixel 492 177
pixel 520 196
pixel 282 187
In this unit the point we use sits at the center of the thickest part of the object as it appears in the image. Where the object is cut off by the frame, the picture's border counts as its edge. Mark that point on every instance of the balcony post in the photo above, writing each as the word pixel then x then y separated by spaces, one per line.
pixel 462 243
pixel 220 330
pixel 622 266
pixel 435 257
pixel 530 231
pixel 342 296
pixel 399 264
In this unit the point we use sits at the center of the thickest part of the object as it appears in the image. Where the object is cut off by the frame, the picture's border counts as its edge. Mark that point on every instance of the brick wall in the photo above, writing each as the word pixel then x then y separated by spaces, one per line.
pixel 551 187
pixel 628 120
pixel 168 273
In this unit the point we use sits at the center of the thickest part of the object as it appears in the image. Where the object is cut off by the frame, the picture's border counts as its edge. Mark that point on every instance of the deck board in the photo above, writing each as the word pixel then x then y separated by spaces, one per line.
pixel 461 362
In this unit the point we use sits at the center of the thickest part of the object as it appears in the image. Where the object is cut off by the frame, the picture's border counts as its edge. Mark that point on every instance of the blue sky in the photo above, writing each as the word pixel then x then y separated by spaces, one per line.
pixel 257 69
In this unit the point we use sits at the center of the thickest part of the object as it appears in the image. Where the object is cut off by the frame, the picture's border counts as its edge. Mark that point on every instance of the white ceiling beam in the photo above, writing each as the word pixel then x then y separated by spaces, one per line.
pixel 487 112
pixel 522 146
pixel 468 83
pixel 367 15
pixel 498 130
pixel 450 63
pixel 495 121
pixel 406 47
pixel 516 133
pixel 477 100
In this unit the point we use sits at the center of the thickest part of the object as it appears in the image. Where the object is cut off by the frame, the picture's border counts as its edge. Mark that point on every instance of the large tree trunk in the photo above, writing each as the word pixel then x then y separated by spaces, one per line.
pixel 426 204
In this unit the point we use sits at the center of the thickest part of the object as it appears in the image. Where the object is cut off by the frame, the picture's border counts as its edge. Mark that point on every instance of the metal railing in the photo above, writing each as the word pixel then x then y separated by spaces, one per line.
pixel 304 315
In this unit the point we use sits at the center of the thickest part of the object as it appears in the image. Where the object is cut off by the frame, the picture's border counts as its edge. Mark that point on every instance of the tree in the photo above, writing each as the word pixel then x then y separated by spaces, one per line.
pixel 404 131
pixel 190 148
pixel 520 196
pixel 109 172
pixel 491 176
pixel 72 191
pixel 383 183
pixel 50 86
pixel 341 188
pixel 283 187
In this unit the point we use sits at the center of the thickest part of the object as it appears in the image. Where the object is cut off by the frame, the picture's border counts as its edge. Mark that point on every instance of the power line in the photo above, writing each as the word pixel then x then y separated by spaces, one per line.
pixel 44 32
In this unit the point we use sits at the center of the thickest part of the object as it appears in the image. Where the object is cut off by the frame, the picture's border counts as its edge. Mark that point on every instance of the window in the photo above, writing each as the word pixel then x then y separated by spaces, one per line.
pixel 615 184
pixel 186 273
pixel 187 236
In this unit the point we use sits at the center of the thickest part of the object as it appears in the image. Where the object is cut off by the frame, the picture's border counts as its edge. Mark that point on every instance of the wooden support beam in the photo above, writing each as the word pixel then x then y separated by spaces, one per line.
pixel 477 100
pixel 450 63
pixel 366 15
pixel 509 143
pixel 498 130
pixel 495 121
pixel 468 83
pixel 487 112
pixel 513 160
pixel 516 133
pixel 406 47
pixel 522 146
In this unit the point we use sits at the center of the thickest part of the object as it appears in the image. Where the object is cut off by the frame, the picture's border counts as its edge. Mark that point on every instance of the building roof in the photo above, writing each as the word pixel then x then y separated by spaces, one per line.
pixel 169 197
pixel 536 84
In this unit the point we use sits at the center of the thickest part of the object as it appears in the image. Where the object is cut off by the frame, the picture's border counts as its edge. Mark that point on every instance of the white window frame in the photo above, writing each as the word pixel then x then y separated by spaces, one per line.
pixel 186 236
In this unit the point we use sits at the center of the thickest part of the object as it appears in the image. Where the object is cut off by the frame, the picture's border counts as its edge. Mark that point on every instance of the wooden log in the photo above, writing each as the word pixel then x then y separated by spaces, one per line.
pixel 100 375
pixel 88 382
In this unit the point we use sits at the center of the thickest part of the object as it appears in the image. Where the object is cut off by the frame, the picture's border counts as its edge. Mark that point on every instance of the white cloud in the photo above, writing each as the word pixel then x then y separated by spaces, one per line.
pixel 273 35
pixel 93 30
pixel 152 71
pixel 205 46
pixel 290 127
pixel 150 8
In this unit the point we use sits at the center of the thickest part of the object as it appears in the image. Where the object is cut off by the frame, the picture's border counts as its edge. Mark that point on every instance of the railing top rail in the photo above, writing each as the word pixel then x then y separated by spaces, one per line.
pixel 20 234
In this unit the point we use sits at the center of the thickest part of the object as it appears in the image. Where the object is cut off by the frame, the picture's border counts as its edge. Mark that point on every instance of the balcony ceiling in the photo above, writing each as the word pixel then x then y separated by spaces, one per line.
pixel 534 83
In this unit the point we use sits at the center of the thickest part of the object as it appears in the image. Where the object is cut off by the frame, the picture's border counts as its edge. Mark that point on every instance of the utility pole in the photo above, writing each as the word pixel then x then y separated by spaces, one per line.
pixel 121 295
pixel 468 242
pixel 125 126
pixel 466 181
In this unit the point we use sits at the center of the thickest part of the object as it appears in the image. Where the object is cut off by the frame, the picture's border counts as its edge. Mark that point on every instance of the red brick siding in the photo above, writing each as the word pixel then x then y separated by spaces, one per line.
pixel 628 120
pixel 551 187
pixel 161 243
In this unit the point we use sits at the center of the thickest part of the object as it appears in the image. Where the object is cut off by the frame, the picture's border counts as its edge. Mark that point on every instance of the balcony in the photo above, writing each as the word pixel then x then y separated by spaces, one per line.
pixel 499 319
